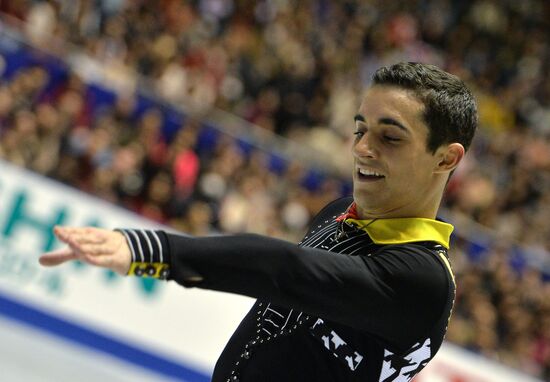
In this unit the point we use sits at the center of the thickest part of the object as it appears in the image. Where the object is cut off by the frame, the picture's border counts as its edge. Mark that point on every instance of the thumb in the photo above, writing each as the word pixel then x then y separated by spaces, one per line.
pixel 57 257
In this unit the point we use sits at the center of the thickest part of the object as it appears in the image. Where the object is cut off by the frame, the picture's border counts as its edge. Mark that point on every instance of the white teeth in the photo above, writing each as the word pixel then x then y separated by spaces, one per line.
pixel 368 172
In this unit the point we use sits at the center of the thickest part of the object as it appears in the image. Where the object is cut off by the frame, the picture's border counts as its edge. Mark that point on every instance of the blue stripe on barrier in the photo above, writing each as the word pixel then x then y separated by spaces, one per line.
pixel 62 328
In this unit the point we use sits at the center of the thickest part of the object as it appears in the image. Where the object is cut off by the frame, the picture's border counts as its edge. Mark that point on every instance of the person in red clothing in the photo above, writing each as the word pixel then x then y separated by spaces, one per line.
pixel 367 294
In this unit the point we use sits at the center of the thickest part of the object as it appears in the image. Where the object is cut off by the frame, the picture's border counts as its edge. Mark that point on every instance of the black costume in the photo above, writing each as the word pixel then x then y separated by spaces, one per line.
pixel 356 300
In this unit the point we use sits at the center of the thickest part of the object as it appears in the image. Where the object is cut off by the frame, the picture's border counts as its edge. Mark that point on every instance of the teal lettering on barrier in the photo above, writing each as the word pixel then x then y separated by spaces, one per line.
pixel 53 282
pixel 20 217
pixel 111 276
pixel 93 222
pixel 148 286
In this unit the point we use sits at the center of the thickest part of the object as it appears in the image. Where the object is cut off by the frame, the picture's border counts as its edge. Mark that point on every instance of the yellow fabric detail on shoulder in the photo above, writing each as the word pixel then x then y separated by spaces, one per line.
pixel 405 230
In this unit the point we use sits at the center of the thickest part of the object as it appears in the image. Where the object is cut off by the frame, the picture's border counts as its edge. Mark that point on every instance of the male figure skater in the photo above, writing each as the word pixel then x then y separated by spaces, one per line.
pixel 367 294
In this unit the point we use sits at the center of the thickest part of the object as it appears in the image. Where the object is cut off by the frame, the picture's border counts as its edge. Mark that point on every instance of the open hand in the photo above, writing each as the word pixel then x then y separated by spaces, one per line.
pixel 95 246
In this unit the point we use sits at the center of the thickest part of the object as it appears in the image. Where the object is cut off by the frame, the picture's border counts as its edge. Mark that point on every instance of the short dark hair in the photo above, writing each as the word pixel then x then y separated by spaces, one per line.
pixel 450 108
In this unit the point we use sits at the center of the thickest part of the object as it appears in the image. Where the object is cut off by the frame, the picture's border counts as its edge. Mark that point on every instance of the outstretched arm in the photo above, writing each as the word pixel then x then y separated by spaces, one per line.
pixel 371 293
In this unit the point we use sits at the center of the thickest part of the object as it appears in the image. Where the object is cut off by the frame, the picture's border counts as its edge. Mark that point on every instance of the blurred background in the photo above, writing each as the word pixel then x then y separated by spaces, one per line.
pixel 212 116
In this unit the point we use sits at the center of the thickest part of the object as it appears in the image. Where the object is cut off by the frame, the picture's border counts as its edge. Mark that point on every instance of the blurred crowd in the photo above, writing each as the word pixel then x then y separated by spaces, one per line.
pixel 297 68
pixel 123 157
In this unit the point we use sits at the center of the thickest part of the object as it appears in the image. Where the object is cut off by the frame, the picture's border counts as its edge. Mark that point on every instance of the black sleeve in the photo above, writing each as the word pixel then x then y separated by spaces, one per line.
pixel 396 294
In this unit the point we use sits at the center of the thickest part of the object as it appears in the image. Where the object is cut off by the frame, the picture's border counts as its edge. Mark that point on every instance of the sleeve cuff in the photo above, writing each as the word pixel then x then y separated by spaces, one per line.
pixel 154 270
pixel 150 255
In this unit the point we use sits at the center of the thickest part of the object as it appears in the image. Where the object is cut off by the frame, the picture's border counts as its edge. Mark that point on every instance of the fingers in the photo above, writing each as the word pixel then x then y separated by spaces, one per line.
pixel 57 257
pixel 88 240
pixel 94 249
pixel 95 246
pixel 83 242
pixel 80 235
pixel 63 255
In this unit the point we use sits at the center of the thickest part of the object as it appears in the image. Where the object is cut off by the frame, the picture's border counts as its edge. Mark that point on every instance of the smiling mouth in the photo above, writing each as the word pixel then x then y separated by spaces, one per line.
pixel 368 175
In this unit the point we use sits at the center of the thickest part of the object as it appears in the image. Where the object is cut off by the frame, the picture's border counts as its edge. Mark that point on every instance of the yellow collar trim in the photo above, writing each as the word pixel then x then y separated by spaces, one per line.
pixel 405 230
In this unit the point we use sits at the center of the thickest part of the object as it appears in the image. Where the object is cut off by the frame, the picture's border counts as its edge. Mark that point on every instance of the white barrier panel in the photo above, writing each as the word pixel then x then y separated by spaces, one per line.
pixel 36 356
pixel 453 364
pixel 186 326
pixel 190 326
